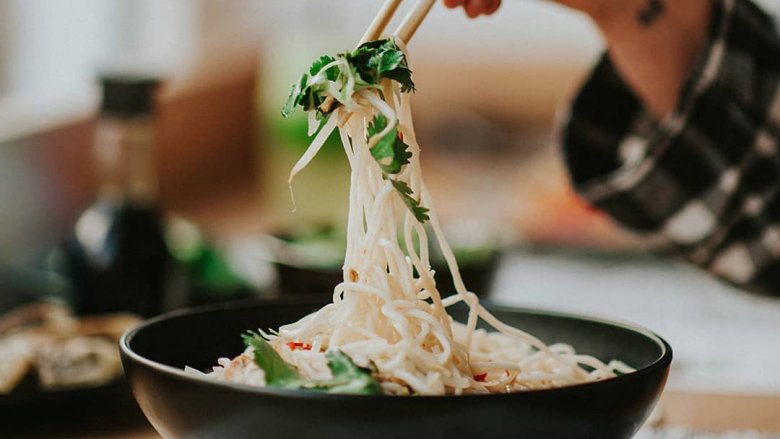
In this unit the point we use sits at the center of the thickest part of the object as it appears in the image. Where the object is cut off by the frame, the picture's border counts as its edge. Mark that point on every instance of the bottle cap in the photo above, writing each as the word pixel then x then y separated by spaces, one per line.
pixel 128 95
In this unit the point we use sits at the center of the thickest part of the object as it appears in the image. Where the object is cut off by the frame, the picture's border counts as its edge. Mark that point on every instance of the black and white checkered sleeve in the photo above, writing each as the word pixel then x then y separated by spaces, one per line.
pixel 705 181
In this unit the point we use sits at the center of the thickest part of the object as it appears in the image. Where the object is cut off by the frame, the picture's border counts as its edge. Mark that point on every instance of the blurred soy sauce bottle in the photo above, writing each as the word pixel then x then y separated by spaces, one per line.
pixel 116 257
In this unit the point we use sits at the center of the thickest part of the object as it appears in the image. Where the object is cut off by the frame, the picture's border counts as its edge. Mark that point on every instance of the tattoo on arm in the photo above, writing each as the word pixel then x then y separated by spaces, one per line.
pixel 650 13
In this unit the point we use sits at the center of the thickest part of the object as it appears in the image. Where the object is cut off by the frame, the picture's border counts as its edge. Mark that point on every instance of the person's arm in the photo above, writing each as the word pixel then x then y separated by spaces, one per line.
pixel 652 43
pixel 692 165
pixel 704 180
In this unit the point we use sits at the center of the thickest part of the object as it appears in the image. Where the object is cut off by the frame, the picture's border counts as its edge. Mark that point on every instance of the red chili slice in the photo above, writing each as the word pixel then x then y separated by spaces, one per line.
pixel 480 377
pixel 293 345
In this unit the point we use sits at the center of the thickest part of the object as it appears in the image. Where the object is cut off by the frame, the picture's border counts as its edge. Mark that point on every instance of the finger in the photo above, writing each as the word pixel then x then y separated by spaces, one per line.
pixel 474 7
pixel 479 7
pixel 453 3
pixel 492 7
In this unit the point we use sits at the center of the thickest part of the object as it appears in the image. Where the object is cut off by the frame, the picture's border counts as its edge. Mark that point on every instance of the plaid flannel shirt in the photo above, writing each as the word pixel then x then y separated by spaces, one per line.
pixel 706 180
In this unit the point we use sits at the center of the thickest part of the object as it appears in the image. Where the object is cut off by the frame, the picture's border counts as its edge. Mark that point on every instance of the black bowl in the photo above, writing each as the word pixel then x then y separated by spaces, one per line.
pixel 181 405
pixel 297 275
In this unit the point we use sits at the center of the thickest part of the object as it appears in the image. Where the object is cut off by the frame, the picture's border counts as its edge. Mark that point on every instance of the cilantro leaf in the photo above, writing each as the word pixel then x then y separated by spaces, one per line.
pixel 360 59
pixel 348 377
pixel 403 76
pixel 320 63
pixel 295 96
pixel 419 212
pixel 278 373
pixel 391 63
pixel 390 151
pixel 368 65
pixel 380 59
pixel 389 60
pixel 311 96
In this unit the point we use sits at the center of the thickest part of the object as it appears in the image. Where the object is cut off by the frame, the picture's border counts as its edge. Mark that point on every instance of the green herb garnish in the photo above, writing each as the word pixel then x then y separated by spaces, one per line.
pixel 390 151
pixel 392 154
pixel 343 75
pixel 420 212
pixel 364 67
pixel 347 376
pixel 278 373
pixel 379 59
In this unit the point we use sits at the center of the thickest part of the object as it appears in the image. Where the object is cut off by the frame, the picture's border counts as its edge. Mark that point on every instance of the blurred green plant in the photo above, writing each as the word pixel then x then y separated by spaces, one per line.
pixel 208 273
pixel 291 133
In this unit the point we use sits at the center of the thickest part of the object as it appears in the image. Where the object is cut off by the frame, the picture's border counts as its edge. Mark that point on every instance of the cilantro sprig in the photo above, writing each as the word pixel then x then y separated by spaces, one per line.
pixel 419 212
pixel 347 73
pixel 380 59
pixel 278 373
pixel 310 90
pixel 347 376
pixel 391 153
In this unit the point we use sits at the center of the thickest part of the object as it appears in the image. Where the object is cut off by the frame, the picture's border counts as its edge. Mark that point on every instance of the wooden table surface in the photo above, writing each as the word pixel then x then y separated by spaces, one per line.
pixel 721 412
pixel 700 412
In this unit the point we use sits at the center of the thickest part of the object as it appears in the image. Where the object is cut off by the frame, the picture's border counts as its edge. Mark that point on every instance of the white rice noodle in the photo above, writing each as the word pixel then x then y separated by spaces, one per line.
pixel 388 312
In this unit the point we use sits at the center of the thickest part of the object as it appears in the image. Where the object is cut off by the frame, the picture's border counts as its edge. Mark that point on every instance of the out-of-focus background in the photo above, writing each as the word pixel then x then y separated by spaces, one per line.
pixel 489 91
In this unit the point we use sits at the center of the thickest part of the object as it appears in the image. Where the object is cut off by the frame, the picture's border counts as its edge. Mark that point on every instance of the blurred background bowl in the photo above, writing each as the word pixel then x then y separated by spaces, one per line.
pixel 308 260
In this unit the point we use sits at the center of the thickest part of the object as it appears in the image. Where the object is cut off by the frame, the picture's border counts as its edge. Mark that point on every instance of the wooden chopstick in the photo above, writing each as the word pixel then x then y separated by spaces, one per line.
pixel 405 32
pixel 413 20
pixel 381 21
pixel 374 31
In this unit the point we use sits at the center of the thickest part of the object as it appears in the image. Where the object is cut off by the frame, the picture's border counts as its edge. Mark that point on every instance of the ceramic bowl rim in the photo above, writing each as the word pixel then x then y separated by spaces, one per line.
pixel 662 361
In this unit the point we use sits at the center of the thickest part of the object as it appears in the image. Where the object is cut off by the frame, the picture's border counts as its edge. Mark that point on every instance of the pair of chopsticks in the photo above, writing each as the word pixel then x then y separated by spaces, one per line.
pixel 405 30
pixel 408 26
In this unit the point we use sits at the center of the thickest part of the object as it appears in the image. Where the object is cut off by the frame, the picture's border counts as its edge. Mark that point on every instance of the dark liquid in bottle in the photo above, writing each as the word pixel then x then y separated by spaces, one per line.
pixel 118 259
